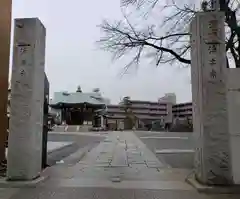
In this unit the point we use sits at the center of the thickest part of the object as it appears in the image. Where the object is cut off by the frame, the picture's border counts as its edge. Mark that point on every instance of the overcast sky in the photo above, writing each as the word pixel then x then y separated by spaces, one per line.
pixel 72 57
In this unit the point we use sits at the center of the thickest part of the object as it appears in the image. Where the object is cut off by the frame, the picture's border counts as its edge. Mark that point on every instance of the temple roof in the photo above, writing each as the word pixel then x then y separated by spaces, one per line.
pixel 77 98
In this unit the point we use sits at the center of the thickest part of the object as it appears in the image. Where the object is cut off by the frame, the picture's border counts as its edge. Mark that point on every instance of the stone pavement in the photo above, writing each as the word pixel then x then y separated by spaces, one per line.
pixel 121 157
pixel 121 166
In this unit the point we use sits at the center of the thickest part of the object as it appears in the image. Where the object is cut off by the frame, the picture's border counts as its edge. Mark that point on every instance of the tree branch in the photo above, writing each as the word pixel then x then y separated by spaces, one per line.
pixel 173 42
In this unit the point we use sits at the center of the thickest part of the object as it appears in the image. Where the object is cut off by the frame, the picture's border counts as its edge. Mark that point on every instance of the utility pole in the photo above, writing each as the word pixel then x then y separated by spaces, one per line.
pixel 5 36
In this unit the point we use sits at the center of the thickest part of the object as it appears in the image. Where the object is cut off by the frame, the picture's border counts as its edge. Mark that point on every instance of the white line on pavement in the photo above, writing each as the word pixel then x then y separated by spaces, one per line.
pixel 152 137
pixel 164 151
pixel 77 133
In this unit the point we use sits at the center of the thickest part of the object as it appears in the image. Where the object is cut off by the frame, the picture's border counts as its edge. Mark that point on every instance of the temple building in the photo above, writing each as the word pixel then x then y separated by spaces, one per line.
pixel 77 108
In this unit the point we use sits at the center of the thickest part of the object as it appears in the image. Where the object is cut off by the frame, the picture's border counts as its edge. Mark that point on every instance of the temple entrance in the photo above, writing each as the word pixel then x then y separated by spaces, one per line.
pixel 77 114
pixel 76 117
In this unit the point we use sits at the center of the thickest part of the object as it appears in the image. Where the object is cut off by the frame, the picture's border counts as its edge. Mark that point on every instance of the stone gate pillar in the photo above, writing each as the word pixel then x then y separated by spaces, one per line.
pixel 26 121
pixel 5 36
pixel 210 116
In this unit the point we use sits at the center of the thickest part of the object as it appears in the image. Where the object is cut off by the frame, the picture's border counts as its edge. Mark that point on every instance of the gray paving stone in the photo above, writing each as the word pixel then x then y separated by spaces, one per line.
pixel 6 193
pixel 154 164
pixel 116 179
pixel 136 160
pixel 120 158
pixel 103 165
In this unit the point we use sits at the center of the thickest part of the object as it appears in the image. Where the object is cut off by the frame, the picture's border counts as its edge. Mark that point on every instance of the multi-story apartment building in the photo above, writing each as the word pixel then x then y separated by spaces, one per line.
pixel 142 109
pixel 182 114
pixel 182 110
pixel 145 112
pixel 164 111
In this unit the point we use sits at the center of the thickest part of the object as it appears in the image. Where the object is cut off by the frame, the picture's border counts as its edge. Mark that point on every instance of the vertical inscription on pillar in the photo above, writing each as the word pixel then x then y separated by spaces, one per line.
pixel 212 44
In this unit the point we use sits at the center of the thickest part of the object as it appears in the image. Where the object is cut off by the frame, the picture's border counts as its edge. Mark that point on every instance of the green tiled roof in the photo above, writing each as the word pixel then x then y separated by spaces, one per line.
pixel 77 98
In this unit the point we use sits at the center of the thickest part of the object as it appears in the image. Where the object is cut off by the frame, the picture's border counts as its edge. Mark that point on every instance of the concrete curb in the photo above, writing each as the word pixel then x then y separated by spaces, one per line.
pixel 60 148
pixel 61 153
pixel 212 189
pixel 4 183
pixel 75 157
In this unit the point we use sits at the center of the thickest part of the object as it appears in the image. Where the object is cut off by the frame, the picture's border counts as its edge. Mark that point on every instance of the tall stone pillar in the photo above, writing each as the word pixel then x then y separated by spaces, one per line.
pixel 5 35
pixel 210 117
pixel 26 121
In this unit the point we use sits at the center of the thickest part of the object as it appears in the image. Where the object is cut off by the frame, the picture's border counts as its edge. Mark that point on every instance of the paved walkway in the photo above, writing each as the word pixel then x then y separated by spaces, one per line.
pixel 119 167
pixel 121 157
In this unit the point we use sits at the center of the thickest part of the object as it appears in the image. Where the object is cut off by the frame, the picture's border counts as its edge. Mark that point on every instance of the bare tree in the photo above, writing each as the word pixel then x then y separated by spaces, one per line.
pixel 169 41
